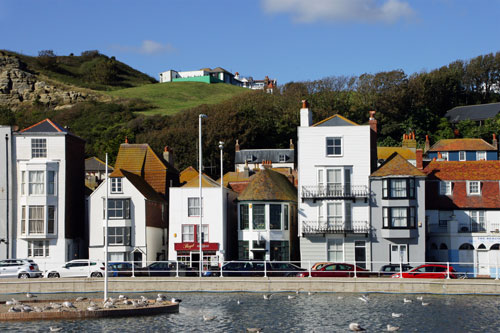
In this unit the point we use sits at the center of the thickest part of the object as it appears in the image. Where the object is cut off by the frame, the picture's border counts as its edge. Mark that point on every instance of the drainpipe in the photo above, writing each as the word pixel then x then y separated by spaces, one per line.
pixel 7 243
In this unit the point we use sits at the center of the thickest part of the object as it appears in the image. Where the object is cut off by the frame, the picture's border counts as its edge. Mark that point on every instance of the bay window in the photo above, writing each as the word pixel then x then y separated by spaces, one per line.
pixel 118 209
pixel 398 188
pixel 259 217
pixel 275 217
pixel 244 217
pixel 119 236
pixel 36 219
pixel 36 182
pixel 51 219
pixel 398 217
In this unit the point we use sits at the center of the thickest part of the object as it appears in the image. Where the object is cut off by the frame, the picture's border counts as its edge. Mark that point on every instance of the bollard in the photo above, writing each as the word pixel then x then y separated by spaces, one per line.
pixel 448 270
pixel 309 268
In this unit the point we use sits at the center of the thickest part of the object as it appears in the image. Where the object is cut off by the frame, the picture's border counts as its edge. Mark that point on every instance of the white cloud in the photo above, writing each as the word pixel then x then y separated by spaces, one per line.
pixel 308 11
pixel 148 47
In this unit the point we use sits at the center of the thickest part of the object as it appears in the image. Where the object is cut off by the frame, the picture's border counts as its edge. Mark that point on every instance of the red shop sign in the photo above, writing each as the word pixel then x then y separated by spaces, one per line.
pixel 193 246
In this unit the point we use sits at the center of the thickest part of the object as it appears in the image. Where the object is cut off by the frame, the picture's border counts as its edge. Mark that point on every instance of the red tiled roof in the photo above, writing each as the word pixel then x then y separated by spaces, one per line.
pixel 461 144
pixel 396 165
pixel 466 170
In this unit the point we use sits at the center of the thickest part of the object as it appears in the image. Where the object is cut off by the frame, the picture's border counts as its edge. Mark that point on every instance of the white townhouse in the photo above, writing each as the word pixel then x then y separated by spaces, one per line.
pixel 219 237
pixel 137 207
pixel 49 190
pixel 335 159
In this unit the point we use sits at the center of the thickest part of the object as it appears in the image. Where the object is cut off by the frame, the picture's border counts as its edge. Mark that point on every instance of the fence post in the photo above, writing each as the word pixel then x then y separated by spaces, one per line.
pixel 400 266
pixel 309 268
pixel 133 269
pixel 177 268
pixel 265 269
pixel 496 257
pixel 448 270
pixel 355 270
pixel 222 264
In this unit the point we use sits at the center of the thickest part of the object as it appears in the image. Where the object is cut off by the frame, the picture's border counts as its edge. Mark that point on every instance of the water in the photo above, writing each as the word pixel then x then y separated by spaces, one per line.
pixel 322 312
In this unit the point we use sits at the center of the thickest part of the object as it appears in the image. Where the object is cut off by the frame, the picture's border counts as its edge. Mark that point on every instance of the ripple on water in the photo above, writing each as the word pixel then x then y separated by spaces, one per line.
pixel 316 313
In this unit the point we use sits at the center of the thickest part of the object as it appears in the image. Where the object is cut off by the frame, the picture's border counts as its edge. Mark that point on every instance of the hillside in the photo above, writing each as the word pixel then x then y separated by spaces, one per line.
pixel 172 97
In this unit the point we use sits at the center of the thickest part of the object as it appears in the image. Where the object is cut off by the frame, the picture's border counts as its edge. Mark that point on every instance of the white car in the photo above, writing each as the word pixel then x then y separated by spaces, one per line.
pixel 78 268
pixel 20 268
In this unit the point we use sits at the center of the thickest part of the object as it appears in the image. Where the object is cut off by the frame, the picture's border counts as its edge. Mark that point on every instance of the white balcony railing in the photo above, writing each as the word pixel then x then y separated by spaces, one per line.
pixel 335 191
pixel 323 227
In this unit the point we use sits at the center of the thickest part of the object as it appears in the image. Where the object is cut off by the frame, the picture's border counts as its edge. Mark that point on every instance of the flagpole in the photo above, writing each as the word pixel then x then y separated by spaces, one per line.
pixel 106 235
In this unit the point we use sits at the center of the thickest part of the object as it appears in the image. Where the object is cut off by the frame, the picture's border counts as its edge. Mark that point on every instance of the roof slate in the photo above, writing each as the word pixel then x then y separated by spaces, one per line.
pixel 187 174
pixel 336 120
pixel 45 126
pixel 269 185
pixel 205 182
pixel 473 112
pixel 461 144
pixel 385 152
pixel 465 170
pixel 95 164
pixel 259 155
pixel 396 165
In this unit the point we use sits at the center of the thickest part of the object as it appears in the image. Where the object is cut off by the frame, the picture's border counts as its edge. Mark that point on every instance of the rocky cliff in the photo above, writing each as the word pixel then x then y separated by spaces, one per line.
pixel 19 86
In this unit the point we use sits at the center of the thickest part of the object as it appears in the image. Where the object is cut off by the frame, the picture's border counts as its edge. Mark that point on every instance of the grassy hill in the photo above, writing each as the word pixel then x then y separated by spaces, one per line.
pixel 172 97
pixel 91 70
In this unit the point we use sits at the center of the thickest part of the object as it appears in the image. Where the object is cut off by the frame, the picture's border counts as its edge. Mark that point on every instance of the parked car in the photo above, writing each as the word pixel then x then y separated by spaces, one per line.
pixel 20 268
pixel 164 268
pixel 428 272
pixel 393 268
pixel 123 268
pixel 319 265
pixel 337 270
pixel 78 268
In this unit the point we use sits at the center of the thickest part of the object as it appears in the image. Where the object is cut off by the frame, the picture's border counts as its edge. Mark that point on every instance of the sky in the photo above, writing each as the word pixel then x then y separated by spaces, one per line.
pixel 288 40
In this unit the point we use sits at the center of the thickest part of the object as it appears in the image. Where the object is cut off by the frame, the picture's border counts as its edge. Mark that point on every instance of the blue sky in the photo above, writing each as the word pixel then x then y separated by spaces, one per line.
pixel 290 40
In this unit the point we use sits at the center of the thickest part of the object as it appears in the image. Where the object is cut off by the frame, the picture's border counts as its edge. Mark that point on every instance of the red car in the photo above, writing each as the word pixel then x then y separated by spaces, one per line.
pixel 428 272
pixel 336 270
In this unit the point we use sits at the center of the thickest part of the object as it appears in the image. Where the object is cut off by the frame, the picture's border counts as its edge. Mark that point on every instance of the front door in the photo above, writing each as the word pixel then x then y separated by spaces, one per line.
pixel 399 253
pixel 482 263
pixel 360 253
pixel 195 260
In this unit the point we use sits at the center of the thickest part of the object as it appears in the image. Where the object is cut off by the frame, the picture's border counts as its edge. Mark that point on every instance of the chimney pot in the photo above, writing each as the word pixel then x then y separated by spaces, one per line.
pixel 292 146
pixel 126 139
pixel 373 121
pixel 237 146
pixel 304 104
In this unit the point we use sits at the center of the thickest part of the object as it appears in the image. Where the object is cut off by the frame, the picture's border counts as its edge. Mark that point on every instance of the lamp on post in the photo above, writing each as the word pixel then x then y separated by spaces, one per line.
pixel 221 147
pixel 200 172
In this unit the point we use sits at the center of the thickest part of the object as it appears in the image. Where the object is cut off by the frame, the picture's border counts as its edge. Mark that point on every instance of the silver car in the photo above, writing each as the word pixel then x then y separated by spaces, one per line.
pixel 20 268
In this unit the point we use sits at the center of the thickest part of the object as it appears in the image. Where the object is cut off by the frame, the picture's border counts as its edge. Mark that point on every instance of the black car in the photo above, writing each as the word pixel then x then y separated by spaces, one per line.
pixel 123 268
pixel 393 268
pixel 162 268
pixel 256 268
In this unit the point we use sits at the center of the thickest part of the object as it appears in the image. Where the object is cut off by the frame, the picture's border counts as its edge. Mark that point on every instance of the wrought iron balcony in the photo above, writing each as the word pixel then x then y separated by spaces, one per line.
pixel 323 227
pixel 352 192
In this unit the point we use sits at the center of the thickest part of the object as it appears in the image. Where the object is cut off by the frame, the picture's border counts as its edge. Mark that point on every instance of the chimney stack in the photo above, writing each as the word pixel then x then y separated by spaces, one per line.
pixel 427 144
pixel 292 146
pixel 126 139
pixel 495 141
pixel 246 170
pixel 373 121
pixel 305 115
pixel 237 146
pixel 168 155
pixel 419 157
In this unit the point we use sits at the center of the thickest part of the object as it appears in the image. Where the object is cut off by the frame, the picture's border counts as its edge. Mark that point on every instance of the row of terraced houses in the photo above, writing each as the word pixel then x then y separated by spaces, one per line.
pixel 337 197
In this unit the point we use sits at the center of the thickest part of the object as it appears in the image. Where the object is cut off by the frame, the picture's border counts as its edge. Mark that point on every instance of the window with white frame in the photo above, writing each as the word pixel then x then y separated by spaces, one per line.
pixel 244 217
pixel 445 187
pixel 118 209
pixel 445 155
pixel 193 206
pixel 335 250
pixel 334 213
pixel 285 217
pixel 51 219
pixel 119 236
pixel 259 217
pixel 51 182
pixel 398 217
pixel 473 187
pixel 398 188
pixel 481 155
pixel 334 146
pixel 461 155
pixel 38 148
pixel 38 249
pixel 477 220
pixel 23 182
pixel 36 182
pixel 23 220
pixel 204 233
pixel 36 219
pixel 187 233
pixel 116 185
pixel 275 216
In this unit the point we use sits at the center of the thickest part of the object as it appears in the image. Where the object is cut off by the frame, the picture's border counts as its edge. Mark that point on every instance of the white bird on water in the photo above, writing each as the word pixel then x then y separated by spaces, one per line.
pixel 254 330
pixel 208 318
pixel 30 295
pixel 238 302
pixel 268 296
pixel 425 304
pixel 291 297
pixel 175 300
pixel 55 329
pixel 356 327
pixel 363 299
pixel 420 298
pixel 391 328
pixel 396 315
pixel 406 300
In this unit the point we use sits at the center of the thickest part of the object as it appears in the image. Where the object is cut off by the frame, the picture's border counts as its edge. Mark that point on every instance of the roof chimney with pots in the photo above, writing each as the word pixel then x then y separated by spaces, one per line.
pixel 168 155
pixel 495 141
pixel 373 121
pixel 237 146
pixel 427 144
pixel 409 141
pixel 126 139
pixel 292 146
pixel 373 141
pixel 419 159
pixel 305 115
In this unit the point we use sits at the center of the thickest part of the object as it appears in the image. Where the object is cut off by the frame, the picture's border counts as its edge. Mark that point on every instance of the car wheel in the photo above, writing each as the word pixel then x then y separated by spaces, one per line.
pixel 96 274
pixel 53 275
pixel 24 276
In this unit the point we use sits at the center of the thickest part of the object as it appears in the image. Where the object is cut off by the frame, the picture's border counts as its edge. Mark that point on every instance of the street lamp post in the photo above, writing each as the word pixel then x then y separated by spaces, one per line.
pixel 200 172
pixel 221 147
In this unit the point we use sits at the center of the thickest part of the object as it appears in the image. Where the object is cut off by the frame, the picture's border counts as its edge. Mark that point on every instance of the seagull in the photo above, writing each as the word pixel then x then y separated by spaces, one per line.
pixel 159 300
pixel 363 299
pixel 208 318
pixel 109 305
pixel 123 297
pixel 238 302
pixel 92 303
pixel 268 296
pixel 15 301
pixel 175 300
pixel 355 327
pixel 254 330
pixel 55 305
pixel 26 308
pixel 291 297
pixel 162 296
pixel 55 329
pixel 396 315
pixel 341 297
pixel 309 293
pixel 9 303
pixel 391 328
pixel 14 309
pixel 406 300
pixel 425 304
pixel 420 298
pixel 80 299
pixel 127 302
pixel 68 305
pixel 92 308
pixel 30 295
pixel 37 309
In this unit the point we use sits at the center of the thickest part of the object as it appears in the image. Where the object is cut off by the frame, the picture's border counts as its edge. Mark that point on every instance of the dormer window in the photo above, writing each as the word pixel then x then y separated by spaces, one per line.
pixel 473 188
pixel 282 158
pixel 461 156
pixel 249 158
pixel 444 155
pixel 116 185
pixel 445 188
pixel 38 148
pixel 481 156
